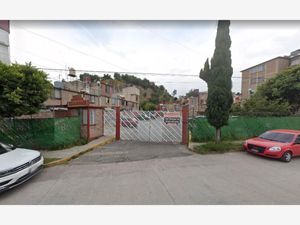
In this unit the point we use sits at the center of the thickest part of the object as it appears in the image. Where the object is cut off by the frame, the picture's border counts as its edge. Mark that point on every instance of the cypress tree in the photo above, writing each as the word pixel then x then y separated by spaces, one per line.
pixel 218 78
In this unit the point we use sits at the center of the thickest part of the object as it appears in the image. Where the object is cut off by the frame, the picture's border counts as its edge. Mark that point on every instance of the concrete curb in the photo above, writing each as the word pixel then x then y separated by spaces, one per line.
pixel 76 155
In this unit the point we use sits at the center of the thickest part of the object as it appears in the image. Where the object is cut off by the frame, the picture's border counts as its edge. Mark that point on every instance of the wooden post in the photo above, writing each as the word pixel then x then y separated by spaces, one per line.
pixel 118 123
pixel 185 117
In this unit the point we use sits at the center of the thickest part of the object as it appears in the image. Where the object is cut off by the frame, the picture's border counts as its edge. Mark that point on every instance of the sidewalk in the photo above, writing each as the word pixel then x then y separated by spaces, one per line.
pixel 70 153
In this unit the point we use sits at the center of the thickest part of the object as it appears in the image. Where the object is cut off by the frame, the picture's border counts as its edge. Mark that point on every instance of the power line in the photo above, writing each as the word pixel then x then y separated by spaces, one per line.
pixel 71 48
pixel 131 72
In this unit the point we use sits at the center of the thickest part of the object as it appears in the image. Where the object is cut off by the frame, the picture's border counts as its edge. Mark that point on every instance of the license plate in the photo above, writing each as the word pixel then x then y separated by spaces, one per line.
pixel 254 150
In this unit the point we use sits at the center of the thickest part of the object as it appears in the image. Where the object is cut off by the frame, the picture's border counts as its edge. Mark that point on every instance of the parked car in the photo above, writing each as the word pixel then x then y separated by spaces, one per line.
pixel 141 116
pixel 17 165
pixel 129 122
pixel 280 144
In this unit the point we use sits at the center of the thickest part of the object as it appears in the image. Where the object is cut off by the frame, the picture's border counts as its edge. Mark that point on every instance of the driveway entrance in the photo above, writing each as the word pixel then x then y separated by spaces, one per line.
pixel 126 151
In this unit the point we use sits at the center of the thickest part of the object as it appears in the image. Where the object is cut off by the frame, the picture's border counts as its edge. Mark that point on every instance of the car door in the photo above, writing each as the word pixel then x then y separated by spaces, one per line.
pixel 296 146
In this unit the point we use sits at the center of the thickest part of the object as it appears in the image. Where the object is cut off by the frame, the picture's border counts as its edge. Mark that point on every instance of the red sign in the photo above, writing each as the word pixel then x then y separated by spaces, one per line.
pixel 172 118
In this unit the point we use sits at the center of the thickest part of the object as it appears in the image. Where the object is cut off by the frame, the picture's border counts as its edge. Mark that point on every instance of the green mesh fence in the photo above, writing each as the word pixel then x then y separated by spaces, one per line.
pixel 50 133
pixel 240 127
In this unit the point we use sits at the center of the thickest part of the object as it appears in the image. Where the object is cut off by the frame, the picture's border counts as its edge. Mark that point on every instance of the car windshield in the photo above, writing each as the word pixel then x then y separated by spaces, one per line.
pixel 277 136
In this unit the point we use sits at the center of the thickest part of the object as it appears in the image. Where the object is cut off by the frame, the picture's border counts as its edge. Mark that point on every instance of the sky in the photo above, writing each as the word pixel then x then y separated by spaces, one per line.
pixel 176 47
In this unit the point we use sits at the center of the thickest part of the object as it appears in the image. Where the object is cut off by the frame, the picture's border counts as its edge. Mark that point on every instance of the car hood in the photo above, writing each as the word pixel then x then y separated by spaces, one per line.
pixel 17 157
pixel 266 143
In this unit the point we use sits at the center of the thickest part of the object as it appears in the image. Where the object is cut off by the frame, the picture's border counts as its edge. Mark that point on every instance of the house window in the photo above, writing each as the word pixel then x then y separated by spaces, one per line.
pixel 92 98
pixel 257 69
pixel 92 117
pixel 56 94
pixel 107 89
pixel 260 80
pixel 84 117
pixel 253 81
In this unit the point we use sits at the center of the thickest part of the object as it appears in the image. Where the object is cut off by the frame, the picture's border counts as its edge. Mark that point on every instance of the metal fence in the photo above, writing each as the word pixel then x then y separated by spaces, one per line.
pixel 50 133
pixel 240 127
pixel 145 126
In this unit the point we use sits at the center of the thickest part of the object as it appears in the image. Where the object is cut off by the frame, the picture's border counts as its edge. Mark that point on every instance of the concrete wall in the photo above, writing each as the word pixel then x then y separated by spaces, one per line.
pixel 4 46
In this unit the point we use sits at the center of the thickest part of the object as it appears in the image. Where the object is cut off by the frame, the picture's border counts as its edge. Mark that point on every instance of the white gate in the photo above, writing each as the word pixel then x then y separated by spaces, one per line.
pixel 146 126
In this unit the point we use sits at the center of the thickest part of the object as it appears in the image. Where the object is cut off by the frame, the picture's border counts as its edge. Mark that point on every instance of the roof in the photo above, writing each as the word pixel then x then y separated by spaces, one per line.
pixel 287 131
pixel 278 57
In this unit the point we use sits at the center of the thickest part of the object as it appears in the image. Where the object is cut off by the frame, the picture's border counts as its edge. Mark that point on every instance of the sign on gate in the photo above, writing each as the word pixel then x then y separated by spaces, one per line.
pixel 172 118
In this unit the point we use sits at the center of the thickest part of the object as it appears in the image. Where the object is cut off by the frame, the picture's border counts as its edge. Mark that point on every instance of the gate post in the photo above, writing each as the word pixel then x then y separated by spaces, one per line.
pixel 117 123
pixel 185 117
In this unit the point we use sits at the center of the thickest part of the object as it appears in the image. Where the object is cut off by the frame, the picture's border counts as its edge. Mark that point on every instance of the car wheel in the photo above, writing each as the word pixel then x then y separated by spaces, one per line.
pixel 287 156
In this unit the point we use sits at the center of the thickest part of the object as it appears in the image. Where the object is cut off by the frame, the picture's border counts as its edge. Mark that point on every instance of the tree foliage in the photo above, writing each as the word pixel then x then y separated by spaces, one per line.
pixel 23 89
pixel 192 93
pixel 278 96
pixel 148 106
pixel 218 79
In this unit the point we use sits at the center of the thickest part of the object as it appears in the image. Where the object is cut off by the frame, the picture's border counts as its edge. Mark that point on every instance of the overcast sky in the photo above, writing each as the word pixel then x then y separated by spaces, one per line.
pixel 157 46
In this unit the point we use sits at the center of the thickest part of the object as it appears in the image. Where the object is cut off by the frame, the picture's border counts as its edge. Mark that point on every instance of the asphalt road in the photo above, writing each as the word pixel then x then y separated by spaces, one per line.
pixel 115 175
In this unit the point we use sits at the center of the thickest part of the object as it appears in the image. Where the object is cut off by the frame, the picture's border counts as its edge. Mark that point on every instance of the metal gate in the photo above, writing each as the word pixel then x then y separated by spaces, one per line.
pixel 146 126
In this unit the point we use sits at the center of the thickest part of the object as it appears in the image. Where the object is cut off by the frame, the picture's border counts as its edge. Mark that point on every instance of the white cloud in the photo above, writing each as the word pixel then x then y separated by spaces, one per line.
pixel 149 46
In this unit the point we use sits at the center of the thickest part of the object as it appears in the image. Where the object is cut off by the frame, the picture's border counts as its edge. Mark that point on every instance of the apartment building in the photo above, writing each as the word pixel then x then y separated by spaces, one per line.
pixel 197 104
pixel 128 98
pixel 4 41
pixel 98 94
pixel 253 76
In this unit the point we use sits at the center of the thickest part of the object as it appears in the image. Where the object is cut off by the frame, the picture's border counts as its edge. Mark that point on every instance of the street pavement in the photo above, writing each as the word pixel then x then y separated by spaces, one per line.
pixel 116 175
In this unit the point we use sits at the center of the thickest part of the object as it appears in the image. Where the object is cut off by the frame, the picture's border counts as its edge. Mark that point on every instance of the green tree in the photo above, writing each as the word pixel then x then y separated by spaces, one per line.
pixel 283 88
pixel 192 93
pixel 218 78
pixel 23 89
pixel 148 106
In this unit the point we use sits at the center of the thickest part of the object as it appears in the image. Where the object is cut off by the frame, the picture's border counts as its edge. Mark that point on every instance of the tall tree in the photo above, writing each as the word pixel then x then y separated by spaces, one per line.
pixel 218 78
pixel 23 89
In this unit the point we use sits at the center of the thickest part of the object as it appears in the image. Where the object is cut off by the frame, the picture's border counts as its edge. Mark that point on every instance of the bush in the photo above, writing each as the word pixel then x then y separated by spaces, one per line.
pixel 222 147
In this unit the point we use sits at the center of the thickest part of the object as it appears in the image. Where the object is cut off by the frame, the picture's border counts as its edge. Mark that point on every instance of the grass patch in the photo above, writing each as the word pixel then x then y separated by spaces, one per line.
pixel 214 148
pixel 48 160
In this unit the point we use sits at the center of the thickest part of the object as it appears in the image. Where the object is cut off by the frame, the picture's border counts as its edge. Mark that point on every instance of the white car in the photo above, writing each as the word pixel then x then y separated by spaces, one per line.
pixel 17 165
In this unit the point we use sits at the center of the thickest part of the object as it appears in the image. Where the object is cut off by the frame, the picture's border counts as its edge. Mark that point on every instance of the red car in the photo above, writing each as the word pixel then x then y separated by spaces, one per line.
pixel 280 144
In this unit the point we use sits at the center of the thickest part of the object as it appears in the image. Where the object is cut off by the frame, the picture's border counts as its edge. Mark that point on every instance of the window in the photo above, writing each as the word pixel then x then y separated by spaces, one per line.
pixel 260 80
pixel 92 117
pixel 84 117
pixel 56 94
pixel 253 80
pixel 257 69
pixel 106 100
pixel 277 136
pixel 107 89
pixel 92 98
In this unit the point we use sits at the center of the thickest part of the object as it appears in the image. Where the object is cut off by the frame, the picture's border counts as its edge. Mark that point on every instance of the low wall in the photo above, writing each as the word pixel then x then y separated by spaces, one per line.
pixel 240 128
